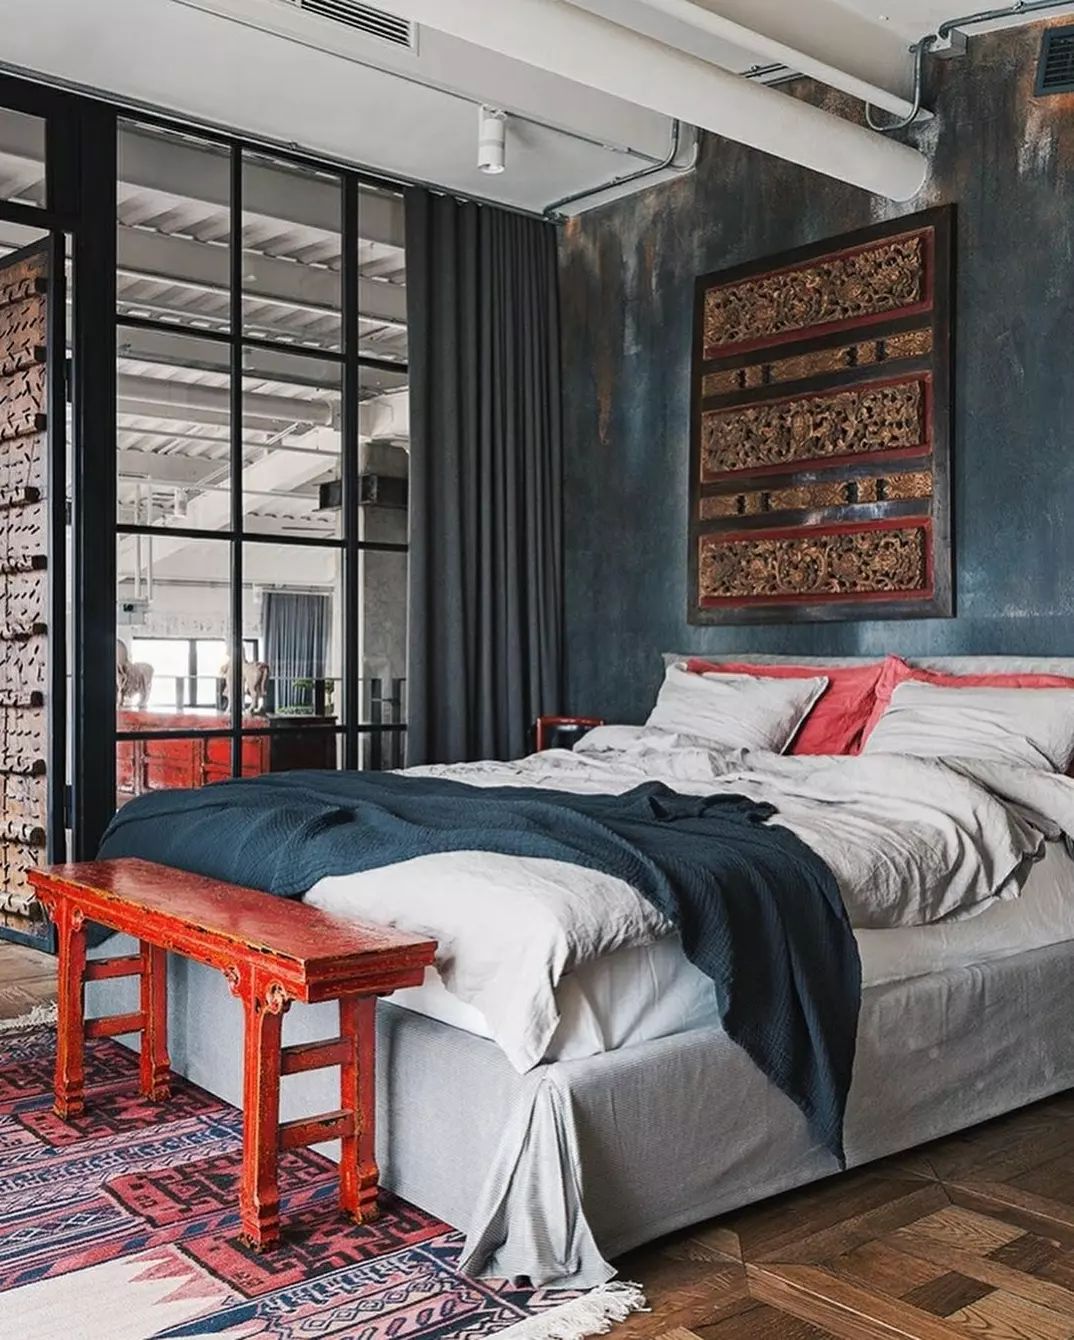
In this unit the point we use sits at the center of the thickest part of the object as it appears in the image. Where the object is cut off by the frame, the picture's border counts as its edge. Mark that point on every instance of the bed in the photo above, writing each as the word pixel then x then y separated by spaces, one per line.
pixel 644 1117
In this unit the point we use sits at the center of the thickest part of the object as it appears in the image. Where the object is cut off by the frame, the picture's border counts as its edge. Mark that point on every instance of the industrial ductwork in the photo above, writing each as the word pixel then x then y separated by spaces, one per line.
pixel 558 37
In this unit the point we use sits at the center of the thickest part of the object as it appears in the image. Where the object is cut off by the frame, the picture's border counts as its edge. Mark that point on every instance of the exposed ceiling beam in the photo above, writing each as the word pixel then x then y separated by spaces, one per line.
pixel 169 399
pixel 555 35
pixel 385 415
pixel 161 163
pixel 819 38
pixel 173 168
pixel 166 259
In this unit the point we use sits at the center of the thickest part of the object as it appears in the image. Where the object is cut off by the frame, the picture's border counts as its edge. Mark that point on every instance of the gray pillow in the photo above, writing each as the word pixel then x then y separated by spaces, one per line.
pixel 1029 727
pixel 735 711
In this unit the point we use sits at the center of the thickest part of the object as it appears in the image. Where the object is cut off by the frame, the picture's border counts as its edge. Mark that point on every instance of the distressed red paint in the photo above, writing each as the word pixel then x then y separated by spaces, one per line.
pixel 272 952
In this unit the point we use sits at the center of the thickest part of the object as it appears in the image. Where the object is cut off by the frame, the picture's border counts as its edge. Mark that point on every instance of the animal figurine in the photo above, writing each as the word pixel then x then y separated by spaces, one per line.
pixel 255 681
pixel 134 679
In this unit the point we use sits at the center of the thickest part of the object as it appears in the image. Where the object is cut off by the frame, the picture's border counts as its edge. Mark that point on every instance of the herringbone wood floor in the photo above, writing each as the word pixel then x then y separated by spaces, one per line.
pixel 972 1236
pixel 969 1237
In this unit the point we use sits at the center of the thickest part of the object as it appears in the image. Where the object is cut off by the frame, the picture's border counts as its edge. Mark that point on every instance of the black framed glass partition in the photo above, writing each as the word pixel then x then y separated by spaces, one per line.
pixel 225 466
pixel 261 465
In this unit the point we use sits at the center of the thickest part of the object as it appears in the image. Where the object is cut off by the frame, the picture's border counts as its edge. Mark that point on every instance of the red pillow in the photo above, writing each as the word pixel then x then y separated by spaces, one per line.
pixel 837 720
pixel 896 672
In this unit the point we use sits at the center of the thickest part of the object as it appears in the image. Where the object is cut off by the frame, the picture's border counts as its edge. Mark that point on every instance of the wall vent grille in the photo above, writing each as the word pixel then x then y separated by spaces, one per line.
pixel 364 19
pixel 1055 74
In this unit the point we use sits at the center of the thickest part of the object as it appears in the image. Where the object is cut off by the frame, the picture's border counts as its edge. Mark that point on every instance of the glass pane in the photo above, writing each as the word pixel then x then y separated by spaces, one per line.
pixel 379 751
pixel 294 604
pixel 382 637
pixel 173 430
pixel 384 468
pixel 382 274
pixel 22 158
pixel 291 253
pixel 291 445
pixel 172 592
pixel 173 228
pixel 296 746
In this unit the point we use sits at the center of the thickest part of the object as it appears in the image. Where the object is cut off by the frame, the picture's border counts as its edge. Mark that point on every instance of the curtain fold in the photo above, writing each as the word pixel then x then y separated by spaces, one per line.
pixel 486 481
pixel 295 631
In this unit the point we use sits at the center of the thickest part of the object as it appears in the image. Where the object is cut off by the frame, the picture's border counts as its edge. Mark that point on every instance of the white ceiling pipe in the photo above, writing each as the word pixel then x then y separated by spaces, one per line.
pixel 783 53
pixel 555 36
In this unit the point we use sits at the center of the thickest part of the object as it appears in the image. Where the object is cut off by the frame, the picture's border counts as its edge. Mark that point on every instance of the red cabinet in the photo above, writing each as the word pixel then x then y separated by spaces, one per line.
pixel 163 764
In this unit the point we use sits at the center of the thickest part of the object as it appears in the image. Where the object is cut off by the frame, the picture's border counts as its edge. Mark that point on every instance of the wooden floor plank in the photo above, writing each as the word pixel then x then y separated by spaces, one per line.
pixel 1003 1316
pixel 988 1269
pixel 845 1309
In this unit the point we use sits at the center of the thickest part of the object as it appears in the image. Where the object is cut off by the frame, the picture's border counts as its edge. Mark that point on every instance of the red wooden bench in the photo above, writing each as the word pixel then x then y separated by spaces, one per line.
pixel 272 951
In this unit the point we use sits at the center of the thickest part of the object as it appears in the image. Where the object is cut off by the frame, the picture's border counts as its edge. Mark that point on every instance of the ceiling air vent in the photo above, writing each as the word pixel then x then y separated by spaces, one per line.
pixel 364 19
pixel 1055 73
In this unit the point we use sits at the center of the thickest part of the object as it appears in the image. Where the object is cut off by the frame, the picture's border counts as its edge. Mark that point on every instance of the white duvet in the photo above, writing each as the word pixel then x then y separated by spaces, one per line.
pixel 910 841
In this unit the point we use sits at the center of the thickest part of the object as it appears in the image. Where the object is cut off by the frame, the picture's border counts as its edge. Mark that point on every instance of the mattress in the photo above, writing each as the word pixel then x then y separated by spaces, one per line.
pixel 642 993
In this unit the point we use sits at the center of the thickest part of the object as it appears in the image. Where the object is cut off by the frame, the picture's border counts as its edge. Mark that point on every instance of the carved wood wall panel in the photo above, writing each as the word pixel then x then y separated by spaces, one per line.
pixel 24 590
pixel 821 427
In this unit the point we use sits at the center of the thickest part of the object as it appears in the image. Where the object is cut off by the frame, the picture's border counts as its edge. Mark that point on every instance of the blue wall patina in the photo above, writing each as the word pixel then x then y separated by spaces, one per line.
pixel 628 270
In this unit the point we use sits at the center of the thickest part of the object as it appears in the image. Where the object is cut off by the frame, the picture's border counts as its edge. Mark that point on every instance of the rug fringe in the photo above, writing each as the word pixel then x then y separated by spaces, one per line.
pixel 594 1313
pixel 40 1014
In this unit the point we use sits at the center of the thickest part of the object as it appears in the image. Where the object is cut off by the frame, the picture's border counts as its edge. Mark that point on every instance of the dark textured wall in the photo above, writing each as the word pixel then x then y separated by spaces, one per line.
pixel 1007 160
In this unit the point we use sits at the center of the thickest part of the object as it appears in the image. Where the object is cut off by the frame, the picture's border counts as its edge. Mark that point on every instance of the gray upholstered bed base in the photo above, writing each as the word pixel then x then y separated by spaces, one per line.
pixel 554 1173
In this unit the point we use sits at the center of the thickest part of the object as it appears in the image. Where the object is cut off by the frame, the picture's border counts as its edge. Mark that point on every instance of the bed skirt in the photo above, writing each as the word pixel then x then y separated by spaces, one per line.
pixel 555 1173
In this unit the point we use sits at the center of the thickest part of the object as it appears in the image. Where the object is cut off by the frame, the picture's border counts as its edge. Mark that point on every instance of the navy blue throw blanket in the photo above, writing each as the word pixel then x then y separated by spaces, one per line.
pixel 758 911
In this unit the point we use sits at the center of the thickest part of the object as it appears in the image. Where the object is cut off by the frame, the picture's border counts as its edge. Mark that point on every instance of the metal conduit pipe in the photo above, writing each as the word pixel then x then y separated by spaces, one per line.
pixel 554 210
pixel 945 33
pixel 949 26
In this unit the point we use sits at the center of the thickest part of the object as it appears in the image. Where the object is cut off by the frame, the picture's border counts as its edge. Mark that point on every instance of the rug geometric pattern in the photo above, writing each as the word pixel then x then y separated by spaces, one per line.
pixel 122 1224
pixel 969 1238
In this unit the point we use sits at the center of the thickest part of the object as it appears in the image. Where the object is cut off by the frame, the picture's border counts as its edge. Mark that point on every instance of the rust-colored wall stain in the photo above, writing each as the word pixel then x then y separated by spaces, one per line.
pixel 1006 159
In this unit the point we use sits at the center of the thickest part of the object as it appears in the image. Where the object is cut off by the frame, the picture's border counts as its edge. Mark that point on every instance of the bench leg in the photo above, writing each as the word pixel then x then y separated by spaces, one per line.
pixel 259 1200
pixel 358 1171
pixel 155 1067
pixel 70 1011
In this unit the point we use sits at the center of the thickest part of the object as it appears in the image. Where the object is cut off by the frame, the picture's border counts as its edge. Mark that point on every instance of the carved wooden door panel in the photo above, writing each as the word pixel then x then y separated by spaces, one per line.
pixel 26 598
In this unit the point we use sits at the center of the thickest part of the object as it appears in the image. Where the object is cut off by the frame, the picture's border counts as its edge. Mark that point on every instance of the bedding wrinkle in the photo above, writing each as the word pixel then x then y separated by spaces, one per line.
pixel 753 902
pixel 912 842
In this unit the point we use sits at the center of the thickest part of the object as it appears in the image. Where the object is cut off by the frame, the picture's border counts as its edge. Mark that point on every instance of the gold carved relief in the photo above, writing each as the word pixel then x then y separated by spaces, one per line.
pixel 846 423
pixel 814 564
pixel 880 278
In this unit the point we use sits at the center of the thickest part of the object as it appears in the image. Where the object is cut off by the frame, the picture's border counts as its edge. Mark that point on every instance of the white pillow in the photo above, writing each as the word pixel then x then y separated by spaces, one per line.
pixel 1031 728
pixel 735 711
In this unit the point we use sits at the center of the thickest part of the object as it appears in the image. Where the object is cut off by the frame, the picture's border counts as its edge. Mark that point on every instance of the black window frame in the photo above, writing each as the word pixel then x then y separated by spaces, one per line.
pixel 350 360
pixel 81 134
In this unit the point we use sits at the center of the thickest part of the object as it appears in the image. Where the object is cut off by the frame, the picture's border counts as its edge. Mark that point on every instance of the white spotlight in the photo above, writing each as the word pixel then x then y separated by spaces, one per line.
pixel 491 140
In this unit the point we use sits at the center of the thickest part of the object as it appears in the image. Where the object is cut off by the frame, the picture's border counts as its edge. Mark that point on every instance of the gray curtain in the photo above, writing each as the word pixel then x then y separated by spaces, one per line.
pixel 486 490
pixel 295 631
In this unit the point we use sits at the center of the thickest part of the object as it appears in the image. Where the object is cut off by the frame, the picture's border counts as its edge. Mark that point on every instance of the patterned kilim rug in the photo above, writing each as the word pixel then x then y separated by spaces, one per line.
pixel 122 1225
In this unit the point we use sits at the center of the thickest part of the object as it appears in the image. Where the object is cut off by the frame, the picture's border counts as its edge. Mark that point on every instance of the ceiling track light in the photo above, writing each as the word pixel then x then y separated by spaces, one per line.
pixel 491 140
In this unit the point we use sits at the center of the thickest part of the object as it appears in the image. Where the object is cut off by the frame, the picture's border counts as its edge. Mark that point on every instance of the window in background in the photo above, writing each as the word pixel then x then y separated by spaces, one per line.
pixel 22 159
pixel 173 458
pixel 292 254
pixel 173 228
pixel 292 444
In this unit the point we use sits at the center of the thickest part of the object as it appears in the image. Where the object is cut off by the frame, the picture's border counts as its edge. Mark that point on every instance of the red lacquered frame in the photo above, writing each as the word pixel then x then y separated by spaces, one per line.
pixel 272 951
pixel 546 724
